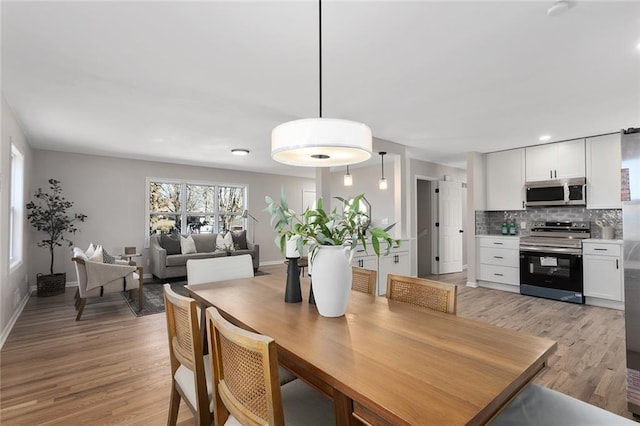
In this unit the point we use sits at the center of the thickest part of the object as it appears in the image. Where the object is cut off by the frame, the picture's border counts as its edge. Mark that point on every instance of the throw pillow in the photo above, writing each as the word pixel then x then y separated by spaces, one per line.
pixel 77 252
pixel 107 258
pixel 90 251
pixel 97 255
pixel 224 243
pixel 240 239
pixel 170 244
pixel 187 245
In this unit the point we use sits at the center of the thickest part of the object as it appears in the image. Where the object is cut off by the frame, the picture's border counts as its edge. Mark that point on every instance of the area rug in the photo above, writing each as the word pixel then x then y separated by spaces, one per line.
pixel 153 297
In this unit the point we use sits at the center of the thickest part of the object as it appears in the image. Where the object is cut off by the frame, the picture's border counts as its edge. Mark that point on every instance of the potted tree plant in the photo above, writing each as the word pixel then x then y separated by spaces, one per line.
pixel 48 214
pixel 331 238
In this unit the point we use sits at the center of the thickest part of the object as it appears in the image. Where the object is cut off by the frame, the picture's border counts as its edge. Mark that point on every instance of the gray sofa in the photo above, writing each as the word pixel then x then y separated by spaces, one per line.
pixel 165 265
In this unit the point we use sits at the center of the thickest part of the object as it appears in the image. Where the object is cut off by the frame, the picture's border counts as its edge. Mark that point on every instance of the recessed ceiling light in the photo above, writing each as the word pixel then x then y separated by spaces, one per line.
pixel 544 138
pixel 638 45
pixel 558 7
pixel 239 151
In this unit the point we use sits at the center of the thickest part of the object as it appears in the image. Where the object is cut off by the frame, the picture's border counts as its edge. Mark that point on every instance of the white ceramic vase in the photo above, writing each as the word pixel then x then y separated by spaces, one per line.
pixel 331 278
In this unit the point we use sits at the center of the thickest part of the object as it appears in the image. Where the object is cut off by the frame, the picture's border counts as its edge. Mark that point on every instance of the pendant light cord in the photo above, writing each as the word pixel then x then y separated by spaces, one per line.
pixel 320 55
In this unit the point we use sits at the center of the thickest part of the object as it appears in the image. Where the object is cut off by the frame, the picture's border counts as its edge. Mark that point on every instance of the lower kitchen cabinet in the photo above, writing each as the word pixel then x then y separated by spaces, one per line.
pixel 396 262
pixel 602 273
pixel 498 262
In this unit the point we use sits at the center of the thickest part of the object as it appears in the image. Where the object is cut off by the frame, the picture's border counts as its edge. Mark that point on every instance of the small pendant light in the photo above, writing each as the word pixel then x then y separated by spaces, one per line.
pixel 382 183
pixel 348 179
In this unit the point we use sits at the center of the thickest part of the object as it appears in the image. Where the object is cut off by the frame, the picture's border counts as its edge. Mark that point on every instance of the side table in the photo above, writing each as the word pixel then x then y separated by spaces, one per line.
pixel 130 257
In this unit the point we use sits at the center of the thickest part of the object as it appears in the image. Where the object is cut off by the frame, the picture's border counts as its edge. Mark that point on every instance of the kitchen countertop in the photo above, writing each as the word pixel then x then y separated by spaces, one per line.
pixel 601 241
pixel 498 236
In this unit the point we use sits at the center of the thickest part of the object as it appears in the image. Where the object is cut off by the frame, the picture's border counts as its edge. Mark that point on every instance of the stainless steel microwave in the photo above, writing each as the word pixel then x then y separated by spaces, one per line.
pixel 558 192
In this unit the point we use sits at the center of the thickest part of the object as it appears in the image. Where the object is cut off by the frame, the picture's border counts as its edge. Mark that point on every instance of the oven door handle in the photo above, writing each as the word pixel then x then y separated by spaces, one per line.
pixel 561 250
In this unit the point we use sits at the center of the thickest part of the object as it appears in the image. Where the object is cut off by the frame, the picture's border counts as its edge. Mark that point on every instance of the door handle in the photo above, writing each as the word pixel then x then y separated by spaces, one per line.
pixel 461 231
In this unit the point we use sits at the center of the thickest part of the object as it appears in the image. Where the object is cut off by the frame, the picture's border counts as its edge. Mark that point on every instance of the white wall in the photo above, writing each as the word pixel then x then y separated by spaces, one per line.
pixel 14 290
pixel 112 191
pixel 365 181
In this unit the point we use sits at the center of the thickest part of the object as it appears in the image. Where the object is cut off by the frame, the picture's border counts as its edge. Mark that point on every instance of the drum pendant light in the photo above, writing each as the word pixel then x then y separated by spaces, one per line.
pixel 321 142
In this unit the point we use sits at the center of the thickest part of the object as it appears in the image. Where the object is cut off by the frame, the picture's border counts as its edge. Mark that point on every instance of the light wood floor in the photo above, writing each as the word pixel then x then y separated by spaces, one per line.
pixel 113 368
pixel 590 363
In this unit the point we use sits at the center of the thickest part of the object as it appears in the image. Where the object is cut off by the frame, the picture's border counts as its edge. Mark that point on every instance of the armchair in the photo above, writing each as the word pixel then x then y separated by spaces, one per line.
pixel 97 279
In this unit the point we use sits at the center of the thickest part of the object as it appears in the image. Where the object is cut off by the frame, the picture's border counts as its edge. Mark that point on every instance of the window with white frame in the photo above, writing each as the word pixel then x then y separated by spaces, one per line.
pixel 184 207
pixel 16 212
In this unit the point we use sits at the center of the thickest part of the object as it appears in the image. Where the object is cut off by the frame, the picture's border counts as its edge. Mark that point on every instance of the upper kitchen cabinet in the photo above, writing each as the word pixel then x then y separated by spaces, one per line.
pixel 505 180
pixel 603 172
pixel 560 160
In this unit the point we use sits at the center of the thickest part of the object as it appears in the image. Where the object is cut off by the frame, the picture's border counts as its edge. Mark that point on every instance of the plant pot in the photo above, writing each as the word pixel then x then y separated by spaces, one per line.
pixel 51 285
pixel 332 279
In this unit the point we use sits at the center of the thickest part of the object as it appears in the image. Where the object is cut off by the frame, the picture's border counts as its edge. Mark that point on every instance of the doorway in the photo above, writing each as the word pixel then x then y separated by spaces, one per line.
pixel 423 222
pixel 439 226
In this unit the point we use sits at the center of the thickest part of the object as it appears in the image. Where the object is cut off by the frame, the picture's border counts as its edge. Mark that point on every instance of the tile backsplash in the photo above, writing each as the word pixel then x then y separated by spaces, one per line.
pixel 490 222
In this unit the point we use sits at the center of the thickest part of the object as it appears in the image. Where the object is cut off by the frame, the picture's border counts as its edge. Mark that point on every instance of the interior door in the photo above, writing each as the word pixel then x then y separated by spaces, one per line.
pixel 450 227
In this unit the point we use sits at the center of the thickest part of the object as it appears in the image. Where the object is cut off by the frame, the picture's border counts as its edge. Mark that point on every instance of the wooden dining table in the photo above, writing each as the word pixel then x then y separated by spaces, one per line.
pixel 386 362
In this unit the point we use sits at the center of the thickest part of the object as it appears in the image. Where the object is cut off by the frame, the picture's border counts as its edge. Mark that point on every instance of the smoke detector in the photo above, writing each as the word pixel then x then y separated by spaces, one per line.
pixel 558 7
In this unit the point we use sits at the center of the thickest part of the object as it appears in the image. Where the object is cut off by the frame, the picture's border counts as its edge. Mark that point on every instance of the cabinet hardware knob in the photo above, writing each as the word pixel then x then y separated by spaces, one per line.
pixel 499 275
pixel 498 257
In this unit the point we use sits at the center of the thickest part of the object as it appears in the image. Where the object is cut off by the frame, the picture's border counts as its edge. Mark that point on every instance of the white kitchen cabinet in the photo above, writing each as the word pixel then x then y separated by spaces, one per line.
pixel 602 273
pixel 559 160
pixel 364 260
pixel 396 262
pixel 505 180
pixel 603 172
pixel 498 262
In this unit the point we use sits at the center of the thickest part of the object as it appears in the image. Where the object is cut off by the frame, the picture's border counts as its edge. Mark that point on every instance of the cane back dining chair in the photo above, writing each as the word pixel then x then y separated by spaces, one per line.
pixel 200 271
pixel 364 280
pixel 246 388
pixel 190 370
pixel 430 294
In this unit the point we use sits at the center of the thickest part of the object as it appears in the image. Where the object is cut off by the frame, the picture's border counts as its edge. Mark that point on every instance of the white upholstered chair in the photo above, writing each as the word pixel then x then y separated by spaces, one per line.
pixel 97 279
pixel 540 406
pixel 190 374
pixel 246 388
pixel 201 271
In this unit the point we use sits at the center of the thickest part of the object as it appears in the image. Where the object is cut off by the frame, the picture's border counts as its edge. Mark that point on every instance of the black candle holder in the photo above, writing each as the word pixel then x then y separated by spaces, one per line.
pixel 312 299
pixel 293 293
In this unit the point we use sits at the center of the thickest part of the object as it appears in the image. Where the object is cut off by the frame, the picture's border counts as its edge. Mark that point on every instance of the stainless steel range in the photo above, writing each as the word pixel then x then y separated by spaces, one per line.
pixel 551 260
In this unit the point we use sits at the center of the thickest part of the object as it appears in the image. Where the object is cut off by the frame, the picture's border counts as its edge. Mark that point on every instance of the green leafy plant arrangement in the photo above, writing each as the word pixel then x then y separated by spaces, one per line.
pixel 48 214
pixel 316 227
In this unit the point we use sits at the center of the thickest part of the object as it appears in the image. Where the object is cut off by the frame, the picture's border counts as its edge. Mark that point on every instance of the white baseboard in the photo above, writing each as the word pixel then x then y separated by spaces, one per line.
pixel 604 303
pixel 499 286
pixel 14 318
pixel 472 284
pixel 272 262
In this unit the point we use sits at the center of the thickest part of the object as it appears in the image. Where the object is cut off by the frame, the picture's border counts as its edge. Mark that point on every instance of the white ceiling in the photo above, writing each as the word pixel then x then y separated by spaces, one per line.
pixel 187 82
